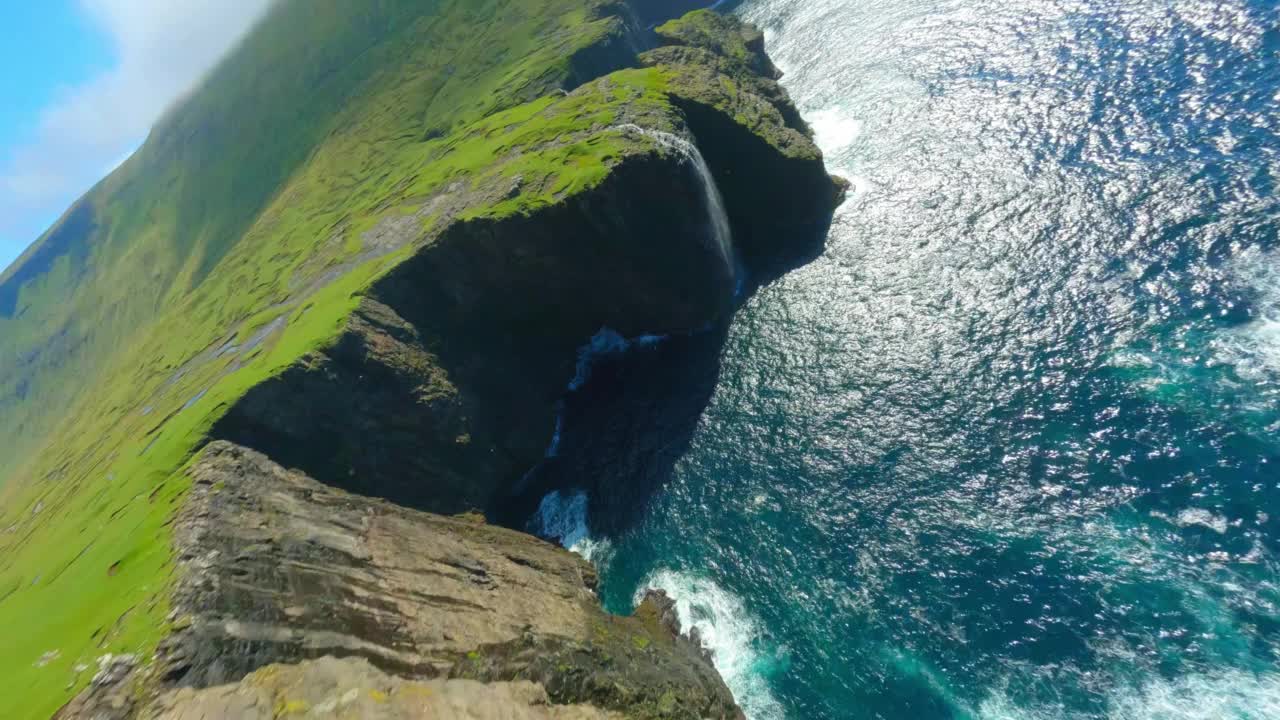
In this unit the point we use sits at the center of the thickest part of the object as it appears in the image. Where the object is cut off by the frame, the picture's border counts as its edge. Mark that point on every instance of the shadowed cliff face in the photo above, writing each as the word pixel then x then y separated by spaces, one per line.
pixel 779 199
pixel 608 426
pixel 777 192
pixel 443 390
pixel 652 12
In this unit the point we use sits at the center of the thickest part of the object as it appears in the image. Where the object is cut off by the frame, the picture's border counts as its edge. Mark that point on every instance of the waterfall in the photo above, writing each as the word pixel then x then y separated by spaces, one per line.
pixel 563 514
pixel 721 235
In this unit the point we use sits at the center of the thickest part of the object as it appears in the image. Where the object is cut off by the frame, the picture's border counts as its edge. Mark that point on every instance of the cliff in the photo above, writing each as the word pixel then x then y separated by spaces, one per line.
pixel 275 568
pixel 397 321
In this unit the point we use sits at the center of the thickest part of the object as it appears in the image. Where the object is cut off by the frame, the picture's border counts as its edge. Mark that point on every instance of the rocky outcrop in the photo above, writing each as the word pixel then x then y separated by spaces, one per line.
pixel 278 569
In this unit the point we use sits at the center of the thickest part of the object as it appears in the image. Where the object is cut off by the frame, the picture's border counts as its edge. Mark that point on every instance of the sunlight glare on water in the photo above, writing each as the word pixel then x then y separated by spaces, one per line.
pixel 1007 449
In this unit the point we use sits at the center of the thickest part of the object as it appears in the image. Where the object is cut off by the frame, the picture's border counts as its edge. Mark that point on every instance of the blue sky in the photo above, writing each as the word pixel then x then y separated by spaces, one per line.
pixel 58 47
pixel 54 37
pixel 83 82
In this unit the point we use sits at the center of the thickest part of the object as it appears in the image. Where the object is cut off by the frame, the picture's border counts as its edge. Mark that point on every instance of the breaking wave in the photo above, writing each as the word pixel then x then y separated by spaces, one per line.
pixel 1254 348
pixel 1234 695
pixel 563 516
pixel 740 650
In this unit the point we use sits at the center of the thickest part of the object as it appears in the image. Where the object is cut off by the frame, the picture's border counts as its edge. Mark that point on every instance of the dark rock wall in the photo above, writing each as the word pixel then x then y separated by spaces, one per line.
pixel 757 182
pixel 442 392
pixel 777 192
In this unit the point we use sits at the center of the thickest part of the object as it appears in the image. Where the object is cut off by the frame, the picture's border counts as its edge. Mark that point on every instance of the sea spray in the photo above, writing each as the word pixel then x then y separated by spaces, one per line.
pixel 834 129
pixel 721 234
pixel 606 341
pixel 1254 348
pixel 737 644
pixel 1226 695
pixel 563 516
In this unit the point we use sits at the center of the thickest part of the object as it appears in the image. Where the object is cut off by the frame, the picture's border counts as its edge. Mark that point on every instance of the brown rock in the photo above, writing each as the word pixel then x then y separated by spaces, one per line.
pixel 276 569
pixel 353 689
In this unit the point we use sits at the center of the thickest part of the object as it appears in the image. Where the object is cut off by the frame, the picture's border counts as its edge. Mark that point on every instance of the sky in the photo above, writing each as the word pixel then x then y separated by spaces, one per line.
pixel 83 82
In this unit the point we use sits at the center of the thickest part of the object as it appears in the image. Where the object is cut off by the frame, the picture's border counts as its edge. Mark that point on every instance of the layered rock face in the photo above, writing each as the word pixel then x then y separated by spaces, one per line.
pixel 276 568
pixel 365 581
pixel 357 690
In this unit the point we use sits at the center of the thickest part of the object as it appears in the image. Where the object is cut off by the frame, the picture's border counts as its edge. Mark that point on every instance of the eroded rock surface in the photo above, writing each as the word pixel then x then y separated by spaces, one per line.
pixel 355 689
pixel 278 569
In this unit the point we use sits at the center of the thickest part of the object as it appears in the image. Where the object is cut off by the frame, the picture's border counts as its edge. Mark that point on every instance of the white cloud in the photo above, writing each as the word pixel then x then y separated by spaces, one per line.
pixel 162 47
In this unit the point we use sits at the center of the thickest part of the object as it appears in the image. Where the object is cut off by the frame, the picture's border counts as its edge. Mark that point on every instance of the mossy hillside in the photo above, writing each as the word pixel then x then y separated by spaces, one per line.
pixel 86 555
pixel 725 36
pixel 313 101
pixel 84 559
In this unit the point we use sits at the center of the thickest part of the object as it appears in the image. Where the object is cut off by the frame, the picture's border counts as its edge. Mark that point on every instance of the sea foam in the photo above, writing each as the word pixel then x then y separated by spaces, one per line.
pixel 606 341
pixel 1254 348
pixel 1229 695
pixel 731 633
pixel 563 515
pixel 834 130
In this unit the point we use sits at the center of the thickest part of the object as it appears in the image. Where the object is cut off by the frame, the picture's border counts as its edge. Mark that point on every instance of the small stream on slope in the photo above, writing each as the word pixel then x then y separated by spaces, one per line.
pixel 1008 449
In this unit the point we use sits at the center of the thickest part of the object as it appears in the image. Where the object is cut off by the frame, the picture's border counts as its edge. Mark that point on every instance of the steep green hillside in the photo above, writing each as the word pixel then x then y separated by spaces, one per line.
pixel 313 103
pixel 234 241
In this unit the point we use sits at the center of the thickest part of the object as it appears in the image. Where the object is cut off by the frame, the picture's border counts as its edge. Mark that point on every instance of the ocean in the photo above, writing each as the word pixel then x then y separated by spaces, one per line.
pixel 1009 447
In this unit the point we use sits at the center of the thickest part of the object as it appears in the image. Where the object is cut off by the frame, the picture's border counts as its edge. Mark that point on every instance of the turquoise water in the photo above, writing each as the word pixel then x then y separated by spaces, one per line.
pixel 1009 447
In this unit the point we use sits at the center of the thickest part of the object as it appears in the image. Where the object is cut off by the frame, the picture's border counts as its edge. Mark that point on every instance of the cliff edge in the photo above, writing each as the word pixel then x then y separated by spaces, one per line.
pixel 388 604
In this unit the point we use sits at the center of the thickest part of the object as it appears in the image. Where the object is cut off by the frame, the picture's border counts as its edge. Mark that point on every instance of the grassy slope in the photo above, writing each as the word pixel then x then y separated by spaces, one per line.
pixel 156 227
pixel 331 116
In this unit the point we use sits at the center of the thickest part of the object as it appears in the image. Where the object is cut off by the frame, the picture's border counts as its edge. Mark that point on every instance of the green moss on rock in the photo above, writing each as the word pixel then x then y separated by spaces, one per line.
pixel 740 44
